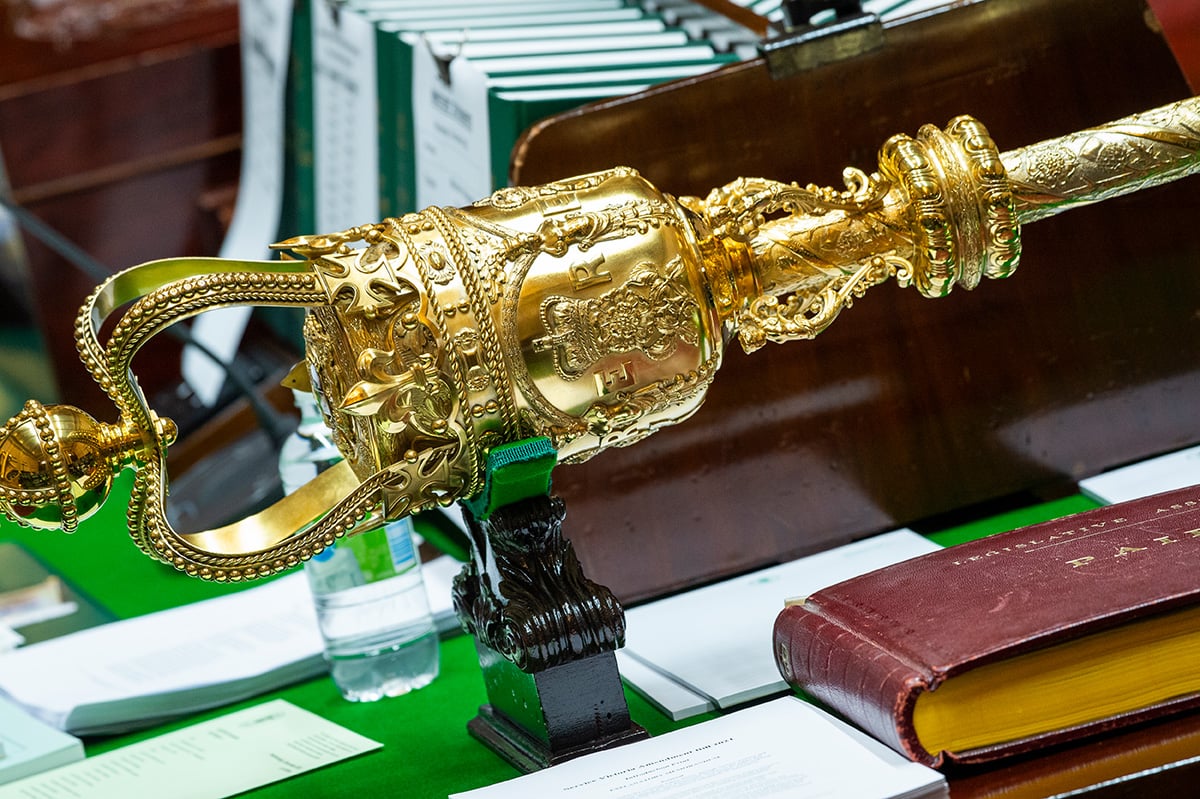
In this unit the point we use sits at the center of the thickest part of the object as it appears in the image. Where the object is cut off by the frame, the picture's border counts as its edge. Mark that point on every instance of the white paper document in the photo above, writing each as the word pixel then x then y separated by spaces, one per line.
pixel 666 693
pixel 1164 473
pixel 451 132
pixel 783 748
pixel 210 760
pixel 265 28
pixel 715 642
pixel 345 109
pixel 439 575
pixel 137 672
pixel 29 746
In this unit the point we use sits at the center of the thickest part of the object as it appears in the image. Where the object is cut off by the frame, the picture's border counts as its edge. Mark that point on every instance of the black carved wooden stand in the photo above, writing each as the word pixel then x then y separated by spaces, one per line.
pixel 546 635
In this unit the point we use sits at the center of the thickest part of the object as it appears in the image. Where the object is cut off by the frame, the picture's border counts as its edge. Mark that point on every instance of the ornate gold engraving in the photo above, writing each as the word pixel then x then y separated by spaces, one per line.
pixel 1130 154
pixel 594 310
pixel 650 314
pixel 586 274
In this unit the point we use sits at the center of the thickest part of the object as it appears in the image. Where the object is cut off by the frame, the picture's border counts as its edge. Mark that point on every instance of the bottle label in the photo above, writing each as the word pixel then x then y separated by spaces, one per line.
pixel 335 569
pixel 383 552
pixel 400 543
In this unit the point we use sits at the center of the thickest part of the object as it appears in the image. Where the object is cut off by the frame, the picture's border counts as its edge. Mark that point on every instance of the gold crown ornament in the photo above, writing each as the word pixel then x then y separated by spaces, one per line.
pixel 592 311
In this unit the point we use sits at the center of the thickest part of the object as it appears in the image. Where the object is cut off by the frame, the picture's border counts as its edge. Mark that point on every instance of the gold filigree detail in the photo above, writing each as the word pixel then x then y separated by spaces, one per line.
pixel 585 229
pixel 994 199
pixel 649 314
pixel 620 422
pixel 488 336
pixel 516 197
pixel 739 209
pixel 425 357
pixel 958 203
pixel 1137 152
pixel 414 399
pixel 434 316
pixel 804 316
pixel 310 248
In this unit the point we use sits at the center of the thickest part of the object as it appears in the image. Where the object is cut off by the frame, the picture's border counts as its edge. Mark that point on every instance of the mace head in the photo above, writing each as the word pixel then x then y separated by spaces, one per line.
pixel 57 465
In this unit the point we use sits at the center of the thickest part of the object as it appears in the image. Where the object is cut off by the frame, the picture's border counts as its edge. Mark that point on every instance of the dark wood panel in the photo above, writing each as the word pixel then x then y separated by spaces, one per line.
pixel 54 43
pixel 117 142
pixel 1157 759
pixel 905 407
pixel 152 215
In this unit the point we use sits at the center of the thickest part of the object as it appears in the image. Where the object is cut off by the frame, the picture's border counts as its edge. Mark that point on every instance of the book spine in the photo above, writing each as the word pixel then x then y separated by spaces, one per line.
pixel 397 153
pixel 867 684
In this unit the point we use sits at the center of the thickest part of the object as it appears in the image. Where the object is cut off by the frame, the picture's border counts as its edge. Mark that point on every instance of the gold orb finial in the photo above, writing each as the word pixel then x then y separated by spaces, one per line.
pixel 56 465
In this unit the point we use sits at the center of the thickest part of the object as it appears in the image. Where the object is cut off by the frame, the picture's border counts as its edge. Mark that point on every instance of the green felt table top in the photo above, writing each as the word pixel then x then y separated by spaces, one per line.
pixel 427 751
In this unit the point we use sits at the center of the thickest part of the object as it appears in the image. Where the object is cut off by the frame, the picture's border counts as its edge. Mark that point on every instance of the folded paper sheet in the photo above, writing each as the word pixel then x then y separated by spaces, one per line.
pixel 730 663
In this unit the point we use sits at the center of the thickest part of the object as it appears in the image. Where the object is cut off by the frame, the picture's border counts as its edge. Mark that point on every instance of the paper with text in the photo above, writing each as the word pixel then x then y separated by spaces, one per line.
pixel 783 748
pixel 209 760
pixel 450 131
pixel 131 673
pixel 716 640
pixel 345 111
pixel 29 746
pixel 266 29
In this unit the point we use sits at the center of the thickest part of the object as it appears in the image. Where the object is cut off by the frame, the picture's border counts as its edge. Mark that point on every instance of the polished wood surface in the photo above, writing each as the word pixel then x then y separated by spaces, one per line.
pixel 1160 759
pixel 905 408
pixel 118 137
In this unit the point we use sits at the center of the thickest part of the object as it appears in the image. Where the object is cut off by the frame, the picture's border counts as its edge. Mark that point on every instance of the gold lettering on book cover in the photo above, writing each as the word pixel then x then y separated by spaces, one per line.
pixel 1125 550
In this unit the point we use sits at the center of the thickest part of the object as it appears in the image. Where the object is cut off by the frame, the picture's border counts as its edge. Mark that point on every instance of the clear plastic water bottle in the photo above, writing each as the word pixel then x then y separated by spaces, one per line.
pixel 370 598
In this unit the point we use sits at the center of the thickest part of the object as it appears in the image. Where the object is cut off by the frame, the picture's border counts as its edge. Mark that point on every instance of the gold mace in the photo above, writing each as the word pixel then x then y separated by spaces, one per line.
pixel 592 311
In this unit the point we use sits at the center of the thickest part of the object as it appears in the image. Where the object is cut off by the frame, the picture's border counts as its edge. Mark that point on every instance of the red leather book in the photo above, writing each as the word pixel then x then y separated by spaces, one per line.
pixel 1013 642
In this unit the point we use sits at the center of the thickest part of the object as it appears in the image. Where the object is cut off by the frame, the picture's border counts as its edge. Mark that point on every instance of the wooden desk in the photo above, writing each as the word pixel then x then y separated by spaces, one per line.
pixel 904 409
pixel 428 753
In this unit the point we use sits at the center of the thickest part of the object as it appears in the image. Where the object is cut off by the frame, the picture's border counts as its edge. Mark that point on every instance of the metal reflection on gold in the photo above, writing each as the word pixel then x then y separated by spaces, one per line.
pixel 651 314
pixel 593 311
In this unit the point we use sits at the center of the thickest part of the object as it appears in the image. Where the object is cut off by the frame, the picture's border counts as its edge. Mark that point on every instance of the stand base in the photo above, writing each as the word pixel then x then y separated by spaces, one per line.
pixel 545 634
pixel 527 753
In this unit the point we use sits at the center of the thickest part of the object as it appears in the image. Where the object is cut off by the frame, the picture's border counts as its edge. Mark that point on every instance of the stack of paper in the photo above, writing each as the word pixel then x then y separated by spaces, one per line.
pixel 711 647
pixel 392 130
pixel 402 104
pixel 1164 473
pixel 885 9
pixel 29 746
pixel 141 671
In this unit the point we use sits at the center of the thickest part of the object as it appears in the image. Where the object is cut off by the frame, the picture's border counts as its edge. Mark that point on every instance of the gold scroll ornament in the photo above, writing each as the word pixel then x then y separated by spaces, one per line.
pixel 592 311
